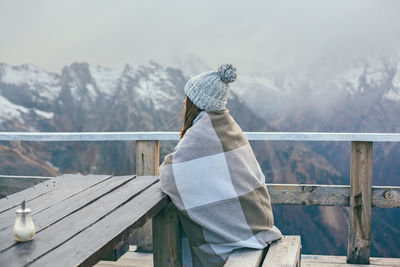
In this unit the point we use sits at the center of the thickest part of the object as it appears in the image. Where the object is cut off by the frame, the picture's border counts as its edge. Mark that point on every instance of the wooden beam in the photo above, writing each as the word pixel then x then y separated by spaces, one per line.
pixel 284 252
pixel 147 161
pixel 147 157
pixel 167 238
pixel 245 257
pixel 329 195
pixel 359 238
pixel 310 195
pixel 386 196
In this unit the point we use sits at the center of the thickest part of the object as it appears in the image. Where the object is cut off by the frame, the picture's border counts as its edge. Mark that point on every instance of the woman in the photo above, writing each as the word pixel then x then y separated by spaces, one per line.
pixel 214 179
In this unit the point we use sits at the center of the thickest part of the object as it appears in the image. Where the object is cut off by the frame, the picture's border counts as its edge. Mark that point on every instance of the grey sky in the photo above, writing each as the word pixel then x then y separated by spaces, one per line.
pixel 253 35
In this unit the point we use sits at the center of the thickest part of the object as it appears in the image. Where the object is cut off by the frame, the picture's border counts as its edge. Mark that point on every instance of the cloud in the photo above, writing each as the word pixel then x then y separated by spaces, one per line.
pixel 307 37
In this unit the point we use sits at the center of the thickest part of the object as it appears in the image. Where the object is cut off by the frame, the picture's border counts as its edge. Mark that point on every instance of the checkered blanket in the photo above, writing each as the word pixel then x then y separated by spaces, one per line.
pixel 216 183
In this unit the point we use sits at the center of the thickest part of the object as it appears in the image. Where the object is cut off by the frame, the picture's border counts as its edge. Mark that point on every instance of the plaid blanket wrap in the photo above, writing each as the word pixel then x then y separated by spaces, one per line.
pixel 216 183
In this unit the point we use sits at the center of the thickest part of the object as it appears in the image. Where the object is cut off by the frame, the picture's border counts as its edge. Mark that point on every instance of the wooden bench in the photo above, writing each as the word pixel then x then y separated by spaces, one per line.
pixel 285 252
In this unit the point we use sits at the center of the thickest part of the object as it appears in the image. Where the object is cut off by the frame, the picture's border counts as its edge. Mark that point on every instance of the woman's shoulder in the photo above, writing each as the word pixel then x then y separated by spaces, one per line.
pixel 216 127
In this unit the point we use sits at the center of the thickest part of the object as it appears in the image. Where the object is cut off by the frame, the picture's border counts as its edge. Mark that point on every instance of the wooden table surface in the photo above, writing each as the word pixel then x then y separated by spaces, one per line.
pixel 79 219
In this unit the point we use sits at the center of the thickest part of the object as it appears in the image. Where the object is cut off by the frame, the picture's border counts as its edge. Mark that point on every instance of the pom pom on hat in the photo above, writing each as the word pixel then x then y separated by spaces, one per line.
pixel 227 73
pixel 209 91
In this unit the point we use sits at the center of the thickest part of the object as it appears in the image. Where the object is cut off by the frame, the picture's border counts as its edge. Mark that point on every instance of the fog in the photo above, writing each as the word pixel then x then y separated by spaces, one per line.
pixel 301 37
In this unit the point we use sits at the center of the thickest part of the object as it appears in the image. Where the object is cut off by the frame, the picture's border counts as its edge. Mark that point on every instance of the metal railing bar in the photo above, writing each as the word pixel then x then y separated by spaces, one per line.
pixel 252 136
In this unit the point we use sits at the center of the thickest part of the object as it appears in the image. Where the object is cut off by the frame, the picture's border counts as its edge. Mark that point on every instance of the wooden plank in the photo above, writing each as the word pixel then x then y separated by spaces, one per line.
pixel 147 157
pixel 115 229
pixel 167 238
pixel 329 195
pixel 12 184
pixel 386 196
pixel 284 252
pixel 70 226
pixel 309 194
pixel 132 136
pixel 245 257
pixel 64 208
pixel 147 161
pixel 359 237
pixel 340 261
pixel 14 200
pixel 65 188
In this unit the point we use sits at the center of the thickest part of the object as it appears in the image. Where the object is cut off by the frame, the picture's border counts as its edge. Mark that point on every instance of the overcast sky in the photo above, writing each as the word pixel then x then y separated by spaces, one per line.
pixel 254 35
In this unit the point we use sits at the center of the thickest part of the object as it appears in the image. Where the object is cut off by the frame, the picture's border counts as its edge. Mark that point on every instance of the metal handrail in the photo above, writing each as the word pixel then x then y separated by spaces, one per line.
pixel 252 136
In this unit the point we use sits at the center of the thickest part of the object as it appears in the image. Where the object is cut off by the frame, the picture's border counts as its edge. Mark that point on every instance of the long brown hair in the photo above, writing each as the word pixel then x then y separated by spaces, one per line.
pixel 191 111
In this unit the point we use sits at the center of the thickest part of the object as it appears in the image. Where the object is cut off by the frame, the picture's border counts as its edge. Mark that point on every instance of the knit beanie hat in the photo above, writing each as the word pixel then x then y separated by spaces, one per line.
pixel 209 91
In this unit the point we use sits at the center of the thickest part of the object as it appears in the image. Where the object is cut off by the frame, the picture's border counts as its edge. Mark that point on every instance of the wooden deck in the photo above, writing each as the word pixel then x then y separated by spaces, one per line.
pixel 340 261
pixel 137 259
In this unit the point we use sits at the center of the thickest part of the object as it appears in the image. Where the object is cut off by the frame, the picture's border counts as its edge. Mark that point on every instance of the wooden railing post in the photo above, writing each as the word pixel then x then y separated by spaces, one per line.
pixel 167 238
pixel 359 237
pixel 147 161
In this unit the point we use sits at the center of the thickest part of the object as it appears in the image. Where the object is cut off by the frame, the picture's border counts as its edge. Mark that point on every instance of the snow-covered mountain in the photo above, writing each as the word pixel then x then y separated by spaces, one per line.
pixel 364 82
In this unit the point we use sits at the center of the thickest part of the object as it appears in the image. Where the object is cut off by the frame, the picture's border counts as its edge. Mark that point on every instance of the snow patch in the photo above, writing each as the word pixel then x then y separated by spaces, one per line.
pixel 74 89
pixel 152 85
pixel 396 78
pixel 350 80
pixel 375 75
pixel 91 90
pixel 10 110
pixel 44 114
pixel 45 83
pixel 106 79
pixel 392 95
pixel 154 89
